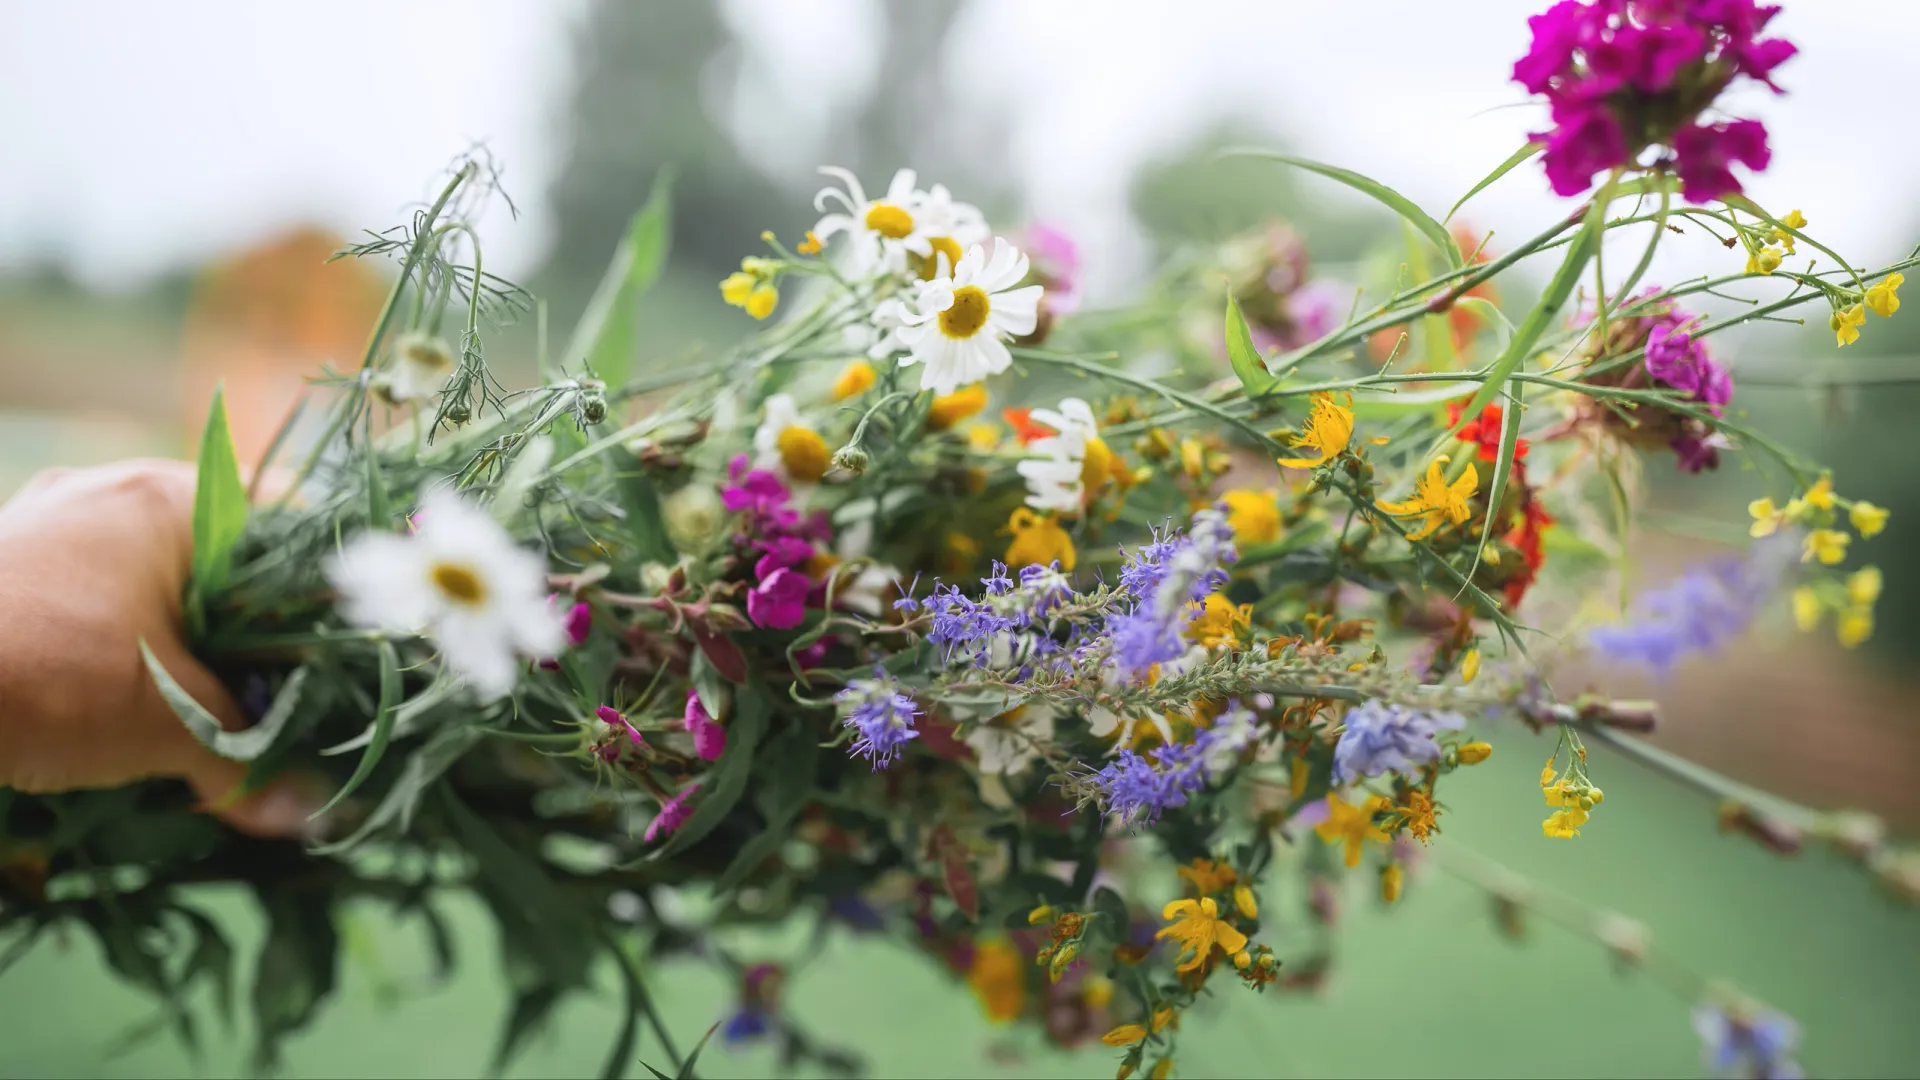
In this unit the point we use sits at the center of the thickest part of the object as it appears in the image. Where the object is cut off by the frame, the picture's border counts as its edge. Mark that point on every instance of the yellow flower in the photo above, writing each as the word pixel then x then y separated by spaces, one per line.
pixel 1162 1017
pixel 1245 903
pixel 804 453
pixel 1827 545
pixel 1867 518
pixel 738 286
pixel 1043 913
pixel 1855 626
pixel 1863 586
pixel 1208 876
pixel 1764 261
pixel 1564 824
pixel 1417 815
pixel 1352 825
pixel 1794 220
pixel 1193 458
pixel 1097 468
pixel 1329 429
pixel 1846 325
pixel 1474 753
pixel 1392 880
pixel 1807 608
pixel 1216 621
pixel 1038 541
pixel 809 246
pixel 761 301
pixel 1096 991
pixel 1766 517
pixel 1195 925
pixel 949 409
pixel 999 980
pixel 1254 516
pixel 855 379
pixel 1470 666
pixel 1437 500
pixel 1161 1069
pixel 1820 495
pixel 1883 299
pixel 1125 1035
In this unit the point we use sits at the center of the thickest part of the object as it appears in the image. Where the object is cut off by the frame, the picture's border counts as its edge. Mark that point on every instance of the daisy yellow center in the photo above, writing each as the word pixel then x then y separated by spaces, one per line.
pixel 804 453
pixel 942 245
pixel 967 314
pixel 889 221
pixel 459 583
pixel 429 356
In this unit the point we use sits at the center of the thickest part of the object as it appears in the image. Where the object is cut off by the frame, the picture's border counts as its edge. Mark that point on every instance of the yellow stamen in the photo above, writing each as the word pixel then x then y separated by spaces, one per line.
pixel 459 583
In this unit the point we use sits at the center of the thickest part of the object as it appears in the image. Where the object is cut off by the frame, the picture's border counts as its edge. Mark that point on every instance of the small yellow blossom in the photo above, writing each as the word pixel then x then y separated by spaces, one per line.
pixel 1352 825
pixel 1038 541
pixel 1161 1069
pixel 1855 626
pixel 1438 501
pixel 1392 880
pixel 983 435
pixel 1820 495
pixel 1217 622
pixel 1196 926
pixel 1766 517
pixel 1564 824
pixel 1807 608
pixel 1208 876
pixel 1097 467
pixel 1193 458
pixel 1096 991
pixel 1329 430
pixel 1162 1017
pixel 1125 1035
pixel 1867 518
pixel 1417 815
pixel 1827 545
pixel 949 409
pixel 1245 903
pixel 1474 753
pixel 1764 261
pixel 809 246
pixel 855 379
pixel 1883 299
pixel 1863 586
pixel 761 301
pixel 1254 516
pixel 1794 220
pixel 1846 325
pixel 999 980
pixel 1470 666
pixel 737 287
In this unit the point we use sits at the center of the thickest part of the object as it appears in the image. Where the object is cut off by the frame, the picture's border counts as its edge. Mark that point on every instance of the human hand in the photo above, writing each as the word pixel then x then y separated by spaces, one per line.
pixel 92 561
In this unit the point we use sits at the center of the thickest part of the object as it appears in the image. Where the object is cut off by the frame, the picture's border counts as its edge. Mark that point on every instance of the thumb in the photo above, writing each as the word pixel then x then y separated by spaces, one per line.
pixel 279 809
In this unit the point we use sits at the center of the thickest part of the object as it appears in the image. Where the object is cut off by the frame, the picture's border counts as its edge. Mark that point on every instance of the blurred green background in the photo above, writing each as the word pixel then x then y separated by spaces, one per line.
pixel 91 373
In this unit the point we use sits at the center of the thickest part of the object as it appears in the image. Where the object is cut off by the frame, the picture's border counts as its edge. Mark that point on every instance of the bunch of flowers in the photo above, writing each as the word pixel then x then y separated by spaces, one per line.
pixel 819 633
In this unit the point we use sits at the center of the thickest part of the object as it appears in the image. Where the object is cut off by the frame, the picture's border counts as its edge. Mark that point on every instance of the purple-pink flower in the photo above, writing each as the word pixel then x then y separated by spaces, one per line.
pixel 579 621
pixel 613 718
pixel 779 601
pixel 1056 262
pixel 709 738
pixel 673 814
pixel 1703 152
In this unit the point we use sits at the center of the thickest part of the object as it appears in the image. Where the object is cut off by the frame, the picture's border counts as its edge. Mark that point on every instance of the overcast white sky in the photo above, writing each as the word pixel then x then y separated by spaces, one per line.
pixel 135 136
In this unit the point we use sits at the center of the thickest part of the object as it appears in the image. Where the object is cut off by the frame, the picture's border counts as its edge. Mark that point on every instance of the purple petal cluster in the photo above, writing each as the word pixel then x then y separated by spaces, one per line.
pixel 882 715
pixel 1136 791
pixel 1619 77
pixel 784 538
pixel 1677 359
pixel 1167 577
pixel 1701 611
pixel 1758 1045
pixel 1380 738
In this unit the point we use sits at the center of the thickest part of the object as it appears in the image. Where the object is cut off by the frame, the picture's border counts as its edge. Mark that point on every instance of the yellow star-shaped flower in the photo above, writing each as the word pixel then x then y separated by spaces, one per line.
pixel 1438 501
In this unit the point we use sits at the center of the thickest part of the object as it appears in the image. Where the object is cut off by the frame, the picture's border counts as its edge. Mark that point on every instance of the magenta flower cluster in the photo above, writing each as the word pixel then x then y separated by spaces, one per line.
pixel 1623 75
pixel 1678 359
pixel 785 541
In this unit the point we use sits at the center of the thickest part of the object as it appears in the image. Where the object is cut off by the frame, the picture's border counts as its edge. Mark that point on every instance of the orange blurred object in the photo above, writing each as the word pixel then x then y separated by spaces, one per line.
pixel 263 322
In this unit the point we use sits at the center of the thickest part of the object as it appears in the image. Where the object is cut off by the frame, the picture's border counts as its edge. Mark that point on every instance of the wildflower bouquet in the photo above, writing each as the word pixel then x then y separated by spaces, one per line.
pixel 1043 639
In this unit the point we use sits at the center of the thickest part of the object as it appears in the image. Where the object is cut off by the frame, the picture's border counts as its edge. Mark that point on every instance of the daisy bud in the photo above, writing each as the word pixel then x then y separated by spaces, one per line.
pixel 693 516
pixel 458 413
pixel 851 458
pixel 593 404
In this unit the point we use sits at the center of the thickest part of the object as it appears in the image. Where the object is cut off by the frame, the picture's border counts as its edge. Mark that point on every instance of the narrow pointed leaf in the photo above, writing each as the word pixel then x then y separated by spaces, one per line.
pixel 242 745
pixel 686 1070
pixel 382 727
pixel 607 336
pixel 1373 189
pixel 219 502
pixel 1244 355
pixel 1499 171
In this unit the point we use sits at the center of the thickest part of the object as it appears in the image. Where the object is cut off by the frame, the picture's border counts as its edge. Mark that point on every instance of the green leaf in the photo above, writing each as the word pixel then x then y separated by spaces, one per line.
pixel 645 522
pixel 607 336
pixel 728 780
pixel 234 745
pixel 1502 468
pixel 792 759
pixel 1499 171
pixel 422 769
pixel 382 727
pixel 211 959
pixel 379 506
pixel 686 1070
pixel 1373 189
pixel 219 503
pixel 1501 325
pixel 298 964
pixel 1244 355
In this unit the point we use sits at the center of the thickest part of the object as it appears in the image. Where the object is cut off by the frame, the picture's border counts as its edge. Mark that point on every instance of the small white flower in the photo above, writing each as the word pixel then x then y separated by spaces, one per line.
pixel 1005 744
pixel 1055 478
pixel 459 579
pixel 421 366
pixel 956 332
pixel 786 445
pixel 905 221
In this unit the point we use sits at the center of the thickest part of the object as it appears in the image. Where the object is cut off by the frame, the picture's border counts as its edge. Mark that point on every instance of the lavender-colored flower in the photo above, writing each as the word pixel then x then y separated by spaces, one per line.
pixel 881 714
pixel 964 628
pixel 1168 576
pixel 1758 1044
pixel 1382 737
pixel 1704 609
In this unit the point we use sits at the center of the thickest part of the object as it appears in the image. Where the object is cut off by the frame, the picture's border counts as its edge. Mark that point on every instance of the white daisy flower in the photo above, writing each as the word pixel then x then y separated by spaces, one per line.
pixel 460 580
pixel 956 332
pixel 904 222
pixel 1056 478
pixel 1005 744
pixel 879 336
pixel 784 443
pixel 421 366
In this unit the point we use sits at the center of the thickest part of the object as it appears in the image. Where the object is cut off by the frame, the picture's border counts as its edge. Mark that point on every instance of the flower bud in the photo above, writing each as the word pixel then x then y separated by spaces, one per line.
pixel 1061 959
pixel 693 516
pixel 593 405
pixel 1392 880
pixel 851 458
pixel 458 413
pixel 1474 753
pixel 724 617
pixel 1039 915
pixel 653 578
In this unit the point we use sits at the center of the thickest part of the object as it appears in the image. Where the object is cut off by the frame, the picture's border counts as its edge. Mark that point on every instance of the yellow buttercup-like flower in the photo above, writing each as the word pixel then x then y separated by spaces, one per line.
pixel 1863 585
pixel 1038 541
pixel 1807 608
pixel 1767 517
pixel 1764 261
pixel 1438 501
pixel 855 379
pixel 1254 516
pixel 1196 926
pixel 737 287
pixel 1564 824
pixel 1883 299
pixel 761 301
pixel 1855 626
pixel 1329 429
pixel 1867 518
pixel 1846 324
pixel 1820 495
pixel 1827 545
pixel 1794 220
pixel 1352 825
pixel 1217 622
